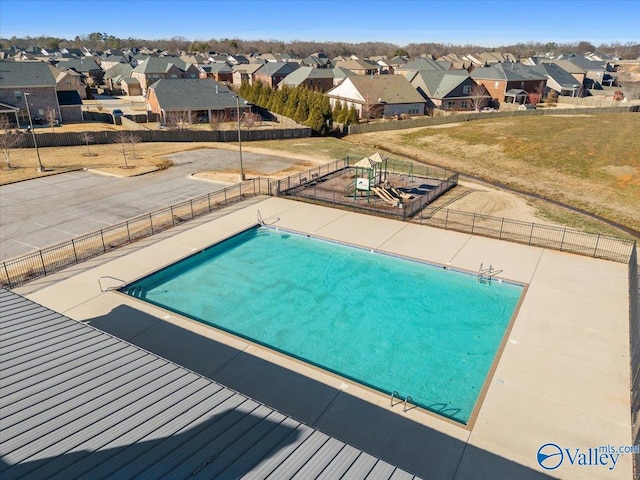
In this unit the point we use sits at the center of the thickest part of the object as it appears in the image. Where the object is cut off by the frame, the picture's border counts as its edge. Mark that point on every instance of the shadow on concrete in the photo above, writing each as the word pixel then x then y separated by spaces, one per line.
pixel 213 448
pixel 385 434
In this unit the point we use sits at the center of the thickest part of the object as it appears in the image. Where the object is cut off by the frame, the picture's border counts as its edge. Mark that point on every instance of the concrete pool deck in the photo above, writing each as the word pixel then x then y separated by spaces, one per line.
pixel 562 378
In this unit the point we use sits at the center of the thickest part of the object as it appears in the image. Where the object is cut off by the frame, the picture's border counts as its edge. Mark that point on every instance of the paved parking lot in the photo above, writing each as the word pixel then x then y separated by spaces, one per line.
pixel 38 213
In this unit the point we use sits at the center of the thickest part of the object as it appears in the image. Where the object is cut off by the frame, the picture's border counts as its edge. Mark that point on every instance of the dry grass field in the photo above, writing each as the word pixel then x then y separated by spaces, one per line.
pixel 590 162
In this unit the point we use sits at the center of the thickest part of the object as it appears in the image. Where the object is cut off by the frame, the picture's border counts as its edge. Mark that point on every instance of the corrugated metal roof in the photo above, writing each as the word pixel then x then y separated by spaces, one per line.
pixel 76 402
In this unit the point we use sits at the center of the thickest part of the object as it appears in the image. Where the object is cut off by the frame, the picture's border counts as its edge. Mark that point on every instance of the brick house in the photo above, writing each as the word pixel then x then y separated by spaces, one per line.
pixel 244 73
pixel 314 78
pixel 189 100
pixel 32 80
pixel 510 82
pixel 86 66
pixel 155 68
pixel 69 80
pixel 220 72
pixel 452 90
pixel 272 73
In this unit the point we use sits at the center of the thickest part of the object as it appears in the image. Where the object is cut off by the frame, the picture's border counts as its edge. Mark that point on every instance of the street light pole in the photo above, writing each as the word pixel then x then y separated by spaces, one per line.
pixel 239 139
pixel 33 134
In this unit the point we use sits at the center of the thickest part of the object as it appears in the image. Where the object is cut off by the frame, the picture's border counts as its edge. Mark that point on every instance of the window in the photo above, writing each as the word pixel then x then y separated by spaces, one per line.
pixel 18 94
pixel 521 84
pixel 173 75
pixel 496 84
pixel 463 104
pixel 466 89
pixel 450 104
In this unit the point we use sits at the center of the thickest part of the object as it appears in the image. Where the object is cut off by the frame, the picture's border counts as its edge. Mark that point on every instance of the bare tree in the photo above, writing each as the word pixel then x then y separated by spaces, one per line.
pixel 123 139
pixel 87 138
pixel 133 139
pixel 51 115
pixel 479 97
pixel 9 138
pixel 179 121
pixel 250 119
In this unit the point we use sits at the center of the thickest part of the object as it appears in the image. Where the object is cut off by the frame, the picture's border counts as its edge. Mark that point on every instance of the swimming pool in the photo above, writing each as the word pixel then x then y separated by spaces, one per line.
pixel 389 323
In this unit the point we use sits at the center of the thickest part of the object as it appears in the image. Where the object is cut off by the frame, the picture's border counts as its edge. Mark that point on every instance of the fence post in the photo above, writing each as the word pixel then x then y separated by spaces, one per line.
pixel 473 223
pixel 209 201
pixel 104 248
pixel 44 269
pixel 191 204
pixel 6 272
pixel 501 226
pixel 564 232
pixel 151 222
pixel 225 197
pixel 75 255
pixel 531 233
pixel 173 222
pixel 446 220
pixel 595 250
pixel 128 233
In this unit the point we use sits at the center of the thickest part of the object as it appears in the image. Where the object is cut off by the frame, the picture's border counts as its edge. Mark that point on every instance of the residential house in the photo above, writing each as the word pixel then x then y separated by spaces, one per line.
pixel 576 71
pixel 34 81
pixel 378 96
pixel 111 60
pixel 423 63
pixel 155 68
pixel 237 60
pixel 317 60
pixel 192 100
pixel 457 62
pixel 595 72
pixel 339 74
pixel 220 72
pixel 113 76
pixel 70 105
pixel 130 86
pixel 86 66
pixel 68 80
pixel 320 79
pixel 359 67
pixel 559 80
pixel 244 73
pixel 510 82
pixel 449 90
pixel 272 73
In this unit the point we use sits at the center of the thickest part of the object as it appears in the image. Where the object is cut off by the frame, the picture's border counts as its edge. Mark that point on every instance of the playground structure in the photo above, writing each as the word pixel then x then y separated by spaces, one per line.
pixel 375 184
pixel 371 176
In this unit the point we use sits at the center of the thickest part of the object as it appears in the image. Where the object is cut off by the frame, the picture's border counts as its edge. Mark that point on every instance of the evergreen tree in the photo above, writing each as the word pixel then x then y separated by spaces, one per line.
pixel 292 103
pixel 315 121
pixel 339 112
pixel 352 115
pixel 302 110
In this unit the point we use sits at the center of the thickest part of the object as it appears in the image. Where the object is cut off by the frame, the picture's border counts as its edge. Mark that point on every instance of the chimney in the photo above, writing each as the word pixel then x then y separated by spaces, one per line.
pixel 216 89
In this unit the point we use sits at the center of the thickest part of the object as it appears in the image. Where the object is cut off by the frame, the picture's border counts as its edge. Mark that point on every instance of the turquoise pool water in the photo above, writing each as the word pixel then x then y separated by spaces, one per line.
pixel 389 323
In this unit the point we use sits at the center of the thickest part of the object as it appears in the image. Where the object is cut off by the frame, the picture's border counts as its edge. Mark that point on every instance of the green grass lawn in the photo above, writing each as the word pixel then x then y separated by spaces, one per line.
pixel 591 162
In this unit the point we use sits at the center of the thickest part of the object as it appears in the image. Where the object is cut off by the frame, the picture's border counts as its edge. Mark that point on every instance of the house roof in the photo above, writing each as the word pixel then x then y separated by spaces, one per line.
pixel 508 71
pixel 390 89
pixel 82 65
pixel 159 65
pixel 79 402
pixel 440 83
pixel 25 74
pixel 193 94
pixel 301 74
pixel 270 69
pixel 559 75
pixel 585 63
pixel 216 68
pixel 68 97
pixel 118 70
pixel 422 63
pixel 567 66
pixel 357 65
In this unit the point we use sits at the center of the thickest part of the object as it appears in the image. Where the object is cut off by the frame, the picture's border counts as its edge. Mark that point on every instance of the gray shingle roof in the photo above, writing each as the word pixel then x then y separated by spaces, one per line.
pixel 78 402
pixel 390 89
pixel 440 83
pixel 561 76
pixel 25 74
pixel 193 94
pixel 298 76
pixel 159 65
pixel 83 65
pixel 508 71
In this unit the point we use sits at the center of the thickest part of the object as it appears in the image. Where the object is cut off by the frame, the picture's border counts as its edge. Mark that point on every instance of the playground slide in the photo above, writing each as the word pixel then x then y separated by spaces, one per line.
pixel 385 196
pixel 400 194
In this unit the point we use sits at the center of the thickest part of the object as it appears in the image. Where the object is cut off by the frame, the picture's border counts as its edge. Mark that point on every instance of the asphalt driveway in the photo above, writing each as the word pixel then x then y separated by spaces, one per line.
pixel 38 213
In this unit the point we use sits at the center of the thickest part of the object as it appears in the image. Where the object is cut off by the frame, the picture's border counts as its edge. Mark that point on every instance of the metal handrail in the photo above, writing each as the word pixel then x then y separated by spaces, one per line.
pixel 408 397
pixel 394 394
pixel 124 283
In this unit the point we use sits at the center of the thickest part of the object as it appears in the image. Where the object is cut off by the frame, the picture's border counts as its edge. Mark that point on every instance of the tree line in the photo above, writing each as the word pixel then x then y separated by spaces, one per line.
pixel 305 106
pixel 101 41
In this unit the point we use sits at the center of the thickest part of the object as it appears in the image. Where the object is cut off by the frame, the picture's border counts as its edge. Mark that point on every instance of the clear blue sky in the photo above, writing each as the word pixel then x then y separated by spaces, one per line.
pixel 485 23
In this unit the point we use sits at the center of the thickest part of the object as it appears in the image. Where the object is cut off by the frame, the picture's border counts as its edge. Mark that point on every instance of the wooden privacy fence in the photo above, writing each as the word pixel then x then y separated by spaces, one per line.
pixel 73 139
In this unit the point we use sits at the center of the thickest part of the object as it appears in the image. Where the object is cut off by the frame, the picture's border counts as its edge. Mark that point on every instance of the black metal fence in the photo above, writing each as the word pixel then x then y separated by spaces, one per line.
pixel 17 271
pixel 634 340
pixel 534 234
pixel 306 186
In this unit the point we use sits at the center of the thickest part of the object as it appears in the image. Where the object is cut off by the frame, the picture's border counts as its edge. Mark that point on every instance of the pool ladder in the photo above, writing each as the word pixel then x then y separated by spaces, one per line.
pixel 407 399
pixel 485 275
